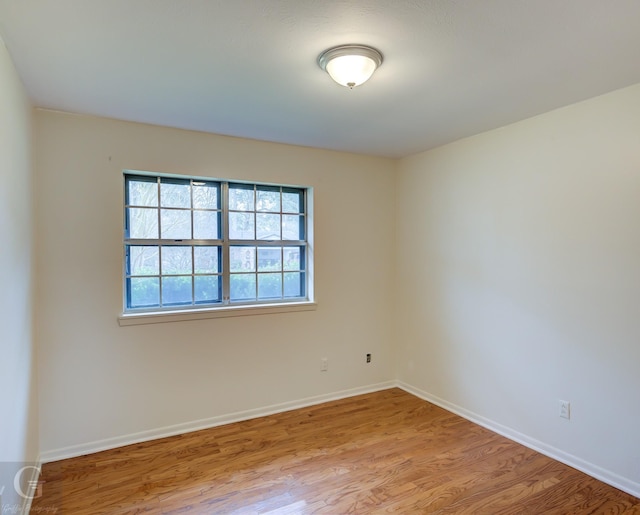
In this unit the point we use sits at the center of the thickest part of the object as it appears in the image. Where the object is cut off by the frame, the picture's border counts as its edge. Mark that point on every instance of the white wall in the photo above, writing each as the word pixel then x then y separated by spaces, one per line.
pixel 18 419
pixel 519 280
pixel 100 381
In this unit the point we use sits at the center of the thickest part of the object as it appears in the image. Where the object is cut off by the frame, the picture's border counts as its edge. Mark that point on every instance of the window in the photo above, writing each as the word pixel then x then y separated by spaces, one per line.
pixel 200 243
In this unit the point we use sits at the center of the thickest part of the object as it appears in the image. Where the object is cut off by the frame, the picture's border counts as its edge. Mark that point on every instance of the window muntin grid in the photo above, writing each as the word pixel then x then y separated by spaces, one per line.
pixel 253 237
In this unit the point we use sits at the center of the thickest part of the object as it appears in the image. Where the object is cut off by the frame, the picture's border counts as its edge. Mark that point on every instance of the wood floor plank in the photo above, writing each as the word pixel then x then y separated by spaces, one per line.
pixel 380 453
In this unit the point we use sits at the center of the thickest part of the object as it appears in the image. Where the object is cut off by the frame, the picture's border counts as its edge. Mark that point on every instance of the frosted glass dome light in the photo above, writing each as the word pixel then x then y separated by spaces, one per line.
pixel 350 65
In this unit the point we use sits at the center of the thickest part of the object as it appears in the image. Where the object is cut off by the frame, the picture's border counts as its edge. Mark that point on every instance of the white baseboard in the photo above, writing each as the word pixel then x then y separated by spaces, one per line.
pixel 196 425
pixel 606 476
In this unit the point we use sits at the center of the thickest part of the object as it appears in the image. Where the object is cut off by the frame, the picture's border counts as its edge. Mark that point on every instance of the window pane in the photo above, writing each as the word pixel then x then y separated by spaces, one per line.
pixel 176 260
pixel 206 260
pixel 143 292
pixel 292 227
pixel 175 256
pixel 241 197
pixel 241 226
pixel 143 223
pixel 243 286
pixel 176 290
pixel 267 227
pixel 294 284
pixel 143 260
pixel 207 288
pixel 293 258
pixel 176 224
pixel 205 225
pixel 205 195
pixel 175 193
pixel 269 259
pixel 292 200
pixel 142 193
pixel 242 259
pixel 269 286
pixel 268 199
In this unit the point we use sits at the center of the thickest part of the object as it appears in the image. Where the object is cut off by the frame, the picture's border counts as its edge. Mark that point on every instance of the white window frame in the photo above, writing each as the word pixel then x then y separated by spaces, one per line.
pixel 225 307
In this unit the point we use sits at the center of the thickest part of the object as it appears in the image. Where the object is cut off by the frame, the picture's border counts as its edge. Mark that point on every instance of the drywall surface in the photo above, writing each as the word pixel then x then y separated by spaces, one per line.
pixel 519 280
pixel 19 420
pixel 100 381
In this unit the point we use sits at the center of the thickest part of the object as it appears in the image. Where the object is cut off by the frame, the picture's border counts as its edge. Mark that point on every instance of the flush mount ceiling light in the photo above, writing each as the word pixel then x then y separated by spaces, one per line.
pixel 350 65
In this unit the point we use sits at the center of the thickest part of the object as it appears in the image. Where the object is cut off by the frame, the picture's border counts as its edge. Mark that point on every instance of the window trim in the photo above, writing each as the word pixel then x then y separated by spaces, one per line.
pixel 135 316
pixel 183 315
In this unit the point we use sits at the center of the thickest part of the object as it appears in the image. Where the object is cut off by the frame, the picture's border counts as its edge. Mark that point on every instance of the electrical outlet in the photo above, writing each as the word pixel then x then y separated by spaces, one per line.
pixel 565 409
pixel 324 365
pixel 368 358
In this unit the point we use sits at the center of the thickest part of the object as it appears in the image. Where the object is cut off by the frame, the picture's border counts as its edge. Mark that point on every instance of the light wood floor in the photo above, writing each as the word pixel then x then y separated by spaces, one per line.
pixel 385 452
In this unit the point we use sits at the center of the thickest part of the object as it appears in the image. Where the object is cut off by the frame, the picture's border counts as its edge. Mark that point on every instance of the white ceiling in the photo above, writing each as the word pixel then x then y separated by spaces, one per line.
pixel 248 68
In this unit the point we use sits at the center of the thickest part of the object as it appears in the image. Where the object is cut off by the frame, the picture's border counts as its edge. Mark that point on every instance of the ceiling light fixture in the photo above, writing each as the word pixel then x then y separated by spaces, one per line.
pixel 350 65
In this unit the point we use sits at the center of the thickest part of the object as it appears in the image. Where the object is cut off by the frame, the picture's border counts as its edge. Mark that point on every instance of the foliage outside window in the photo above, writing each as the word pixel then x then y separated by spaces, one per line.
pixel 196 243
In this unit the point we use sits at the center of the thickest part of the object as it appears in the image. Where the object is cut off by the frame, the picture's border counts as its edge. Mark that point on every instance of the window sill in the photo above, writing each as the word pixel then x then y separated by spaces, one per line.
pixel 158 317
